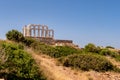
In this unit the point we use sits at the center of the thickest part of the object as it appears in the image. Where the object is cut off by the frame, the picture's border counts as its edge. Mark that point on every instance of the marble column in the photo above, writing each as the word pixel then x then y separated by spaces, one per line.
pixel 52 33
pixel 42 31
pixel 34 32
pixel 39 31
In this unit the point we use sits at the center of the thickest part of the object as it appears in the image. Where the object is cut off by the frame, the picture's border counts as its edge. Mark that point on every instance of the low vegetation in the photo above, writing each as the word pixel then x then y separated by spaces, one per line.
pixel 14 35
pixel 102 51
pixel 56 52
pixel 88 62
pixel 15 63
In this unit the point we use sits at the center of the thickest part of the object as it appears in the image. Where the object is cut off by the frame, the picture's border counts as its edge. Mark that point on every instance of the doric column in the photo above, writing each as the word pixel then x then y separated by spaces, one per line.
pixel 38 30
pixel 49 33
pixel 27 31
pixel 30 30
pixel 45 30
pixel 24 30
pixel 34 31
pixel 42 31
pixel 46 33
pixel 52 33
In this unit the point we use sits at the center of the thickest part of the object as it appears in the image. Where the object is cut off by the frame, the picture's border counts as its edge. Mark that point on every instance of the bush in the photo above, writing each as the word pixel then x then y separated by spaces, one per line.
pixel 55 52
pixel 40 47
pixel 61 51
pixel 28 41
pixel 15 35
pixel 88 61
pixel 19 64
pixel 90 48
pixel 105 52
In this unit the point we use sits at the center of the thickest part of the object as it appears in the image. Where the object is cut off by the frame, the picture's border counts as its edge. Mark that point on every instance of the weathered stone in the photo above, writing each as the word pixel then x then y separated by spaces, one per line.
pixel 42 33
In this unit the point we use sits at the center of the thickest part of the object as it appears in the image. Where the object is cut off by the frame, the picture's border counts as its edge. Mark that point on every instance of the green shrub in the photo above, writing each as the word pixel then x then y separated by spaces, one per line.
pixel 15 35
pixel 105 52
pixel 55 52
pixel 40 47
pixel 87 62
pixel 90 48
pixel 61 51
pixel 19 64
pixel 28 41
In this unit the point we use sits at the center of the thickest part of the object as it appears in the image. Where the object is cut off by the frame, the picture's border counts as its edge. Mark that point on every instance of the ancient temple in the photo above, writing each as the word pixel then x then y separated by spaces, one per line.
pixel 34 30
pixel 40 32
pixel 44 34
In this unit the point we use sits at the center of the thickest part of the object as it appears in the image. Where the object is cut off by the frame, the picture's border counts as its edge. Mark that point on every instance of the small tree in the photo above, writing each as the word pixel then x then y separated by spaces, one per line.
pixel 90 48
pixel 15 35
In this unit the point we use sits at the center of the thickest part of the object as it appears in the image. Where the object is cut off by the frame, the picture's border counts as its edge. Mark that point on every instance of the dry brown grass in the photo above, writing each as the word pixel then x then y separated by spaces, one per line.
pixel 114 62
pixel 53 71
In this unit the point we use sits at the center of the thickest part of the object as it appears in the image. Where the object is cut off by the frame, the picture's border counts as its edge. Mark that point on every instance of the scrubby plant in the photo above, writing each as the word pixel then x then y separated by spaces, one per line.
pixel 56 52
pixel 28 41
pixel 90 48
pixel 15 35
pixel 106 52
pixel 61 51
pixel 87 62
pixel 19 64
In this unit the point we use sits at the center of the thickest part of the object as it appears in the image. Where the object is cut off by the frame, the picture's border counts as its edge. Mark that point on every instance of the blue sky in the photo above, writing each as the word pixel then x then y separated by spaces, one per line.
pixel 83 21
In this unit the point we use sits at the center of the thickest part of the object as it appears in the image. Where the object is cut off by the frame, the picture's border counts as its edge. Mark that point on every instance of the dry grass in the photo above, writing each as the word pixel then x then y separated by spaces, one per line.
pixel 114 62
pixel 55 72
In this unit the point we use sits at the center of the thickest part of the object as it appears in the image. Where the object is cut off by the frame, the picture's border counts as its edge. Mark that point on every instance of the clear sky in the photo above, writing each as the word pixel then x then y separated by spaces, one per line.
pixel 83 21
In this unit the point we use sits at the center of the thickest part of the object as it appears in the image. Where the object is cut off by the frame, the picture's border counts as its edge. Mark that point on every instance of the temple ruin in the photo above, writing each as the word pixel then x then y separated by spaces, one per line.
pixel 34 30
pixel 44 34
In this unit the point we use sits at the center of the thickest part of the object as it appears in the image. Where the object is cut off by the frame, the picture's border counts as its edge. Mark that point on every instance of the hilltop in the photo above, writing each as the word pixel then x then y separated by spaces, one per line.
pixel 27 58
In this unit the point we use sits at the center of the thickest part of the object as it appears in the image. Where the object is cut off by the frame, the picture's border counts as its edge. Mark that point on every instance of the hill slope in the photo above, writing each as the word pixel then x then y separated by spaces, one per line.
pixel 54 71
pixel 57 72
